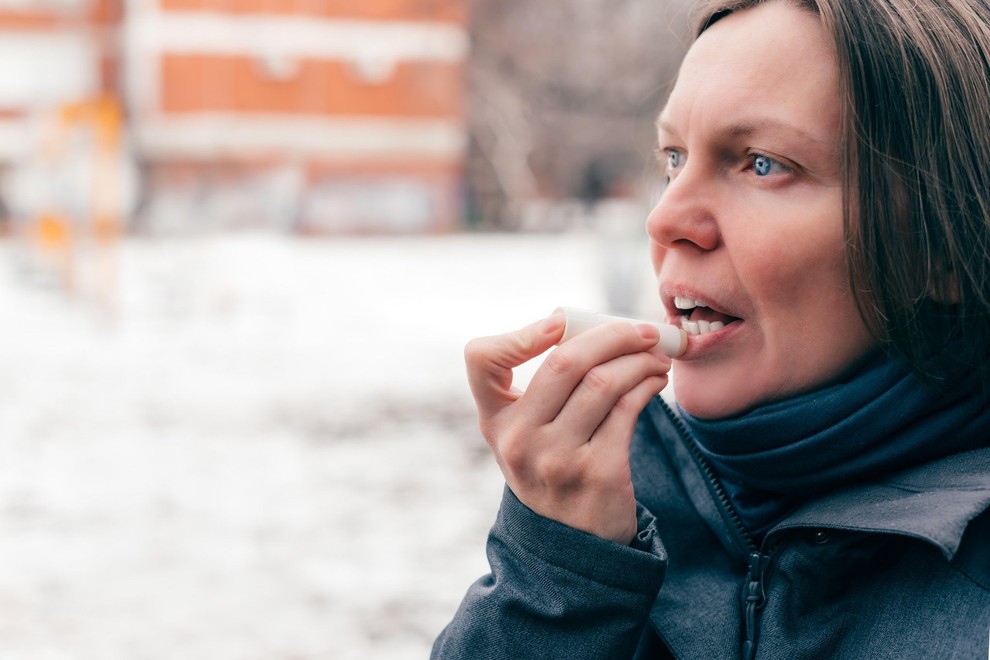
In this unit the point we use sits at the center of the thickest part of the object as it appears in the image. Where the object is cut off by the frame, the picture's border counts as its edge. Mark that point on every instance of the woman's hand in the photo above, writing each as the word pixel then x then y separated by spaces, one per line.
pixel 563 444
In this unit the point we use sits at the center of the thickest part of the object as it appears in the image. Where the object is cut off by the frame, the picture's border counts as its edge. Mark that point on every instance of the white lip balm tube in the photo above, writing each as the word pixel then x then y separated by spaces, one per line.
pixel 673 340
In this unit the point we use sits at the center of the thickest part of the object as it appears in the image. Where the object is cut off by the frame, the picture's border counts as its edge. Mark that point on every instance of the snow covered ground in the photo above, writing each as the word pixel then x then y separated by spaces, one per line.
pixel 264 450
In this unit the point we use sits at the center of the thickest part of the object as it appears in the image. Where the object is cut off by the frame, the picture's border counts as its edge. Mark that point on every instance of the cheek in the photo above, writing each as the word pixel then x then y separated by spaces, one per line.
pixel 808 293
pixel 811 282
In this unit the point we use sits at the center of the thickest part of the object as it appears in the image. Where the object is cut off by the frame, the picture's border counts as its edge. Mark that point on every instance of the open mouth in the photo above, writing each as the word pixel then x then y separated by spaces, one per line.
pixel 699 319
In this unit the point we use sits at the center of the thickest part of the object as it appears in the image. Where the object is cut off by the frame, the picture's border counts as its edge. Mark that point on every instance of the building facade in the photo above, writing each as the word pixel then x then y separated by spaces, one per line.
pixel 313 116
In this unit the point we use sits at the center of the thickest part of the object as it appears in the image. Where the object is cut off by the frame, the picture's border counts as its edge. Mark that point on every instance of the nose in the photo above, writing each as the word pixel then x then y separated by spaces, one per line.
pixel 684 217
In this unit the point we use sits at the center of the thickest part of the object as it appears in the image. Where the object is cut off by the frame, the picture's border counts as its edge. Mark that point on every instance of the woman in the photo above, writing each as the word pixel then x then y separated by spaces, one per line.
pixel 822 487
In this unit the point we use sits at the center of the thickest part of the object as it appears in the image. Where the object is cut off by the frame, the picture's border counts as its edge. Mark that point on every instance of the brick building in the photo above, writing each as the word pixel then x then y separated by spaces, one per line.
pixel 52 52
pixel 315 116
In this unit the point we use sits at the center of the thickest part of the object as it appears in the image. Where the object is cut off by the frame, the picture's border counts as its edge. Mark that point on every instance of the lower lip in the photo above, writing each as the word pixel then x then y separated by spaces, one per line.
pixel 699 345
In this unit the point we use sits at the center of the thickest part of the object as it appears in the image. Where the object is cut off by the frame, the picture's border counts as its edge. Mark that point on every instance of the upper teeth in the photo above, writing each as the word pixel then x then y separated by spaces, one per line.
pixel 687 303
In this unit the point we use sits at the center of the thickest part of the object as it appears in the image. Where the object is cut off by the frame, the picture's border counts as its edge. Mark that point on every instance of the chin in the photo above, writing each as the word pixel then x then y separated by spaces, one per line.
pixel 709 403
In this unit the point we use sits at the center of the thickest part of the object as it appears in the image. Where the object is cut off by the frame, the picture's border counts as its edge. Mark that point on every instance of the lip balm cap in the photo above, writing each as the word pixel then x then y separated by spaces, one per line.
pixel 673 340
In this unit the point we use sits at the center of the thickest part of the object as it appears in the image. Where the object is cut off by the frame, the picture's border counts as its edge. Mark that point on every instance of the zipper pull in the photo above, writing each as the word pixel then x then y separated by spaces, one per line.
pixel 755 600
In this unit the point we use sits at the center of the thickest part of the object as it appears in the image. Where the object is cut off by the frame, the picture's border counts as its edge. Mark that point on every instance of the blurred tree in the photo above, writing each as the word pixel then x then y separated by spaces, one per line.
pixel 562 98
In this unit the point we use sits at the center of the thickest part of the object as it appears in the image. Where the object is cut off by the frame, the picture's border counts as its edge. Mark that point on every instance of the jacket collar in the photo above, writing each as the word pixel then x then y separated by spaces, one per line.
pixel 933 502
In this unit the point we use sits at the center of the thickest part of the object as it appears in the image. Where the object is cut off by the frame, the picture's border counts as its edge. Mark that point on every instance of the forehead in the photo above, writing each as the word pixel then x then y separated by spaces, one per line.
pixel 772 60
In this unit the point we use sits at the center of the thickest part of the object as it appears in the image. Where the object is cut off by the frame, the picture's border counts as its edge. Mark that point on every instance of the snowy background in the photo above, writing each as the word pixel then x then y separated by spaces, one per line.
pixel 264 447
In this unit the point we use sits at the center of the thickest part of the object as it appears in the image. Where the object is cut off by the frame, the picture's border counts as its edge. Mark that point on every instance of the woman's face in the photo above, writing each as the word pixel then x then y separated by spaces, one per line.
pixel 750 224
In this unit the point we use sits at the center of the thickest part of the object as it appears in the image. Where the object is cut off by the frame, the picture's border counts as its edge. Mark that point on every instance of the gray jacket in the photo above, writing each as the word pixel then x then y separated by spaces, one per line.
pixel 897 569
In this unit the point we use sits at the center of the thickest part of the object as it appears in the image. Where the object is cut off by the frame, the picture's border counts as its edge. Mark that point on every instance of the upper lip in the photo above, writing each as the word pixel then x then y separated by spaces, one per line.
pixel 670 291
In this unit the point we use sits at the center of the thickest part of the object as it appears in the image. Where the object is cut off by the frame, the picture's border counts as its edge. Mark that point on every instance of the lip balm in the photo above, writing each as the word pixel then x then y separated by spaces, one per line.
pixel 673 340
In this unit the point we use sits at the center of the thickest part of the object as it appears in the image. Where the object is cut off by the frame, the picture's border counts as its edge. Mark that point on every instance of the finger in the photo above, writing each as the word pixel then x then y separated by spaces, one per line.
pixel 490 361
pixel 606 386
pixel 614 435
pixel 556 379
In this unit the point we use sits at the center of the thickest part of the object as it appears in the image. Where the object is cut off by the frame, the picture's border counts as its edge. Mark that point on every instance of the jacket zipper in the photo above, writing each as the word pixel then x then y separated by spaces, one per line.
pixel 757 560
pixel 756 598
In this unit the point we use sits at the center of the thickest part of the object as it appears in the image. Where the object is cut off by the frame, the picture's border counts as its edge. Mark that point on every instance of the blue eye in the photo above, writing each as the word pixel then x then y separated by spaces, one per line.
pixel 674 159
pixel 764 166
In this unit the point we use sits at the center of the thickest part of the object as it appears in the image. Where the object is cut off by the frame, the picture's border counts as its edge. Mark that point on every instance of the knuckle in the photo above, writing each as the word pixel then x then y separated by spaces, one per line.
pixel 625 331
pixel 597 380
pixel 523 342
pixel 559 363
pixel 625 403
pixel 515 452
pixel 551 470
pixel 620 329
pixel 474 351
pixel 636 399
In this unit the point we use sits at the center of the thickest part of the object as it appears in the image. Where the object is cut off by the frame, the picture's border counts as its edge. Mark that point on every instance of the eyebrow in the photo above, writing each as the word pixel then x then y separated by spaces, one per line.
pixel 745 129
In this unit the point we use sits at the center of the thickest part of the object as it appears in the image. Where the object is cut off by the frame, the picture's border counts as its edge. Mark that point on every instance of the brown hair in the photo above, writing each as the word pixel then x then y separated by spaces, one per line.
pixel 914 77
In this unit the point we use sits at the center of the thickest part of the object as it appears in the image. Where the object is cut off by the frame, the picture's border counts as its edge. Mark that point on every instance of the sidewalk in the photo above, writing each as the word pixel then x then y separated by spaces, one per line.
pixel 267 452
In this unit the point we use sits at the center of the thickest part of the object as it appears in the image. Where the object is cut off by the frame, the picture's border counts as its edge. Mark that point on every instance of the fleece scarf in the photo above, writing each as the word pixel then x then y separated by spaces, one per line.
pixel 879 420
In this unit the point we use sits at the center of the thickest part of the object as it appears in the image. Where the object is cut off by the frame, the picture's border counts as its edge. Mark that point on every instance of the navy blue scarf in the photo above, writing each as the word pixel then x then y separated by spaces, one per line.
pixel 879 420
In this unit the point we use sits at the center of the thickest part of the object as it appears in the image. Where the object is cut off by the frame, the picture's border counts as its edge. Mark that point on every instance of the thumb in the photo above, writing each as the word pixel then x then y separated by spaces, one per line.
pixel 490 361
